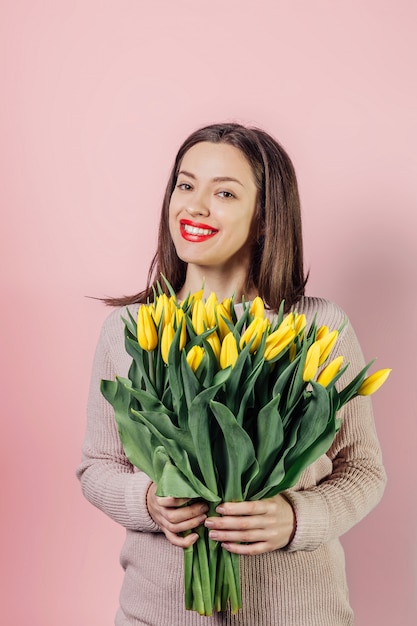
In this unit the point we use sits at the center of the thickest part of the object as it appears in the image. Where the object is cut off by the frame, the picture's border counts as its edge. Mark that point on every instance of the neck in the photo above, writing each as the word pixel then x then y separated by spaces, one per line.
pixel 223 284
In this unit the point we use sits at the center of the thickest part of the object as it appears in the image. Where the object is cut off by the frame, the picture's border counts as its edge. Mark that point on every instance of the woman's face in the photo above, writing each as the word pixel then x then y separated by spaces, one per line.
pixel 212 207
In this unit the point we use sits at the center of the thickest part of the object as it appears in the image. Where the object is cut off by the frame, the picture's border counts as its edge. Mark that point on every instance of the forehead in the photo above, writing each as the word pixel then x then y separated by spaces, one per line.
pixel 213 160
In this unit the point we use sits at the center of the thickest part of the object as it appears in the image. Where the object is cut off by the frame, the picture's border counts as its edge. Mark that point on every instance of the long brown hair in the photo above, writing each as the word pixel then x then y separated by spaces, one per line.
pixel 277 269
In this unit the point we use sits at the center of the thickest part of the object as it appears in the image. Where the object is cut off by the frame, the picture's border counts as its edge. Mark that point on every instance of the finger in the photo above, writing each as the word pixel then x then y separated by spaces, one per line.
pixel 229 522
pixel 182 526
pixel 256 507
pixel 238 536
pixel 249 549
pixel 168 501
pixel 182 514
pixel 179 540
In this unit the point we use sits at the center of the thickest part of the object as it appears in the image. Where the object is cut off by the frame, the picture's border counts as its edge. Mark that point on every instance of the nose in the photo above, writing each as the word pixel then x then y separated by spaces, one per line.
pixel 198 205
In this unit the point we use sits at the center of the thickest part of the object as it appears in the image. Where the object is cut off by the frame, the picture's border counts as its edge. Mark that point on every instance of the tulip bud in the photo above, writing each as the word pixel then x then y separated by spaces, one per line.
pixel 312 361
pixel 222 312
pixel 255 331
pixel 180 320
pixel 214 342
pixel 326 344
pixel 164 309
pixel 199 317
pixel 229 351
pixel 166 340
pixel 227 303
pixel 194 357
pixel 257 308
pixel 287 323
pixel 321 332
pixel 300 323
pixel 330 371
pixel 280 338
pixel 210 306
pixel 197 295
pixel 147 333
pixel 373 383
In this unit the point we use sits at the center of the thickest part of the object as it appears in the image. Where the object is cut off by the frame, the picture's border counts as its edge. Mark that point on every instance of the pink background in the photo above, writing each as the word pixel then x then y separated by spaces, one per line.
pixel 96 97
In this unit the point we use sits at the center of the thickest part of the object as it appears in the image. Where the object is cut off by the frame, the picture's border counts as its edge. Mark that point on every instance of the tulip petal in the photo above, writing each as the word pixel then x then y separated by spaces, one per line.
pixel 373 382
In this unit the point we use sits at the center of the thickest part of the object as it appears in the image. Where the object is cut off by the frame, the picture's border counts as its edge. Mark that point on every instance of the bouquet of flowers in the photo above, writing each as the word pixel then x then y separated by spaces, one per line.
pixel 220 407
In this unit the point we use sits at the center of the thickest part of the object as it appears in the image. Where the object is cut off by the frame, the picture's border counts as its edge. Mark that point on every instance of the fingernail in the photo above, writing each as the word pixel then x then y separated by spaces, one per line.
pixel 208 523
pixel 213 534
pixel 220 509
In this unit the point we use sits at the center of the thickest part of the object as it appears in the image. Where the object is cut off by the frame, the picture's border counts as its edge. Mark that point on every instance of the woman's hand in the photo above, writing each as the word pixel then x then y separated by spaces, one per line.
pixel 253 527
pixel 173 517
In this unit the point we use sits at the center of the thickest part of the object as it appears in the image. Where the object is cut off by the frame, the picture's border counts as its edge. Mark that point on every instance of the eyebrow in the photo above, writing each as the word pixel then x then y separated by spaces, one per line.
pixel 217 179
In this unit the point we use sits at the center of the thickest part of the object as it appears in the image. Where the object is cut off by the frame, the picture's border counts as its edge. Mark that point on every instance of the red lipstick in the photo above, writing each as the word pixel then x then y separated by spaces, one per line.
pixel 196 231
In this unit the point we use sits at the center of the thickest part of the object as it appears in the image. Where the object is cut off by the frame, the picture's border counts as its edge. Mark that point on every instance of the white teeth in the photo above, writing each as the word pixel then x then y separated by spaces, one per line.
pixel 192 230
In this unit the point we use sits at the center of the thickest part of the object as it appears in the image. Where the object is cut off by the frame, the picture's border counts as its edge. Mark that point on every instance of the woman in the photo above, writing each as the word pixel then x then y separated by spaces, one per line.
pixel 231 220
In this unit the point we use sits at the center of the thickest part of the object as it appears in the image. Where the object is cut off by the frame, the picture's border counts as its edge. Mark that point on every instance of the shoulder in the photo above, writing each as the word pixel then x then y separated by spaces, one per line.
pixel 112 336
pixel 114 322
pixel 326 312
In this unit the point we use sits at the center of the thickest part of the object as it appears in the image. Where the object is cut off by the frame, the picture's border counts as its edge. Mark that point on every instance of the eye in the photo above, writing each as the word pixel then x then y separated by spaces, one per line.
pixel 226 194
pixel 184 186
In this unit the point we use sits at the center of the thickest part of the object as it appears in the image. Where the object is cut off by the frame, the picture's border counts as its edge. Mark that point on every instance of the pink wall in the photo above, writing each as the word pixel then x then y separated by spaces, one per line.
pixel 96 97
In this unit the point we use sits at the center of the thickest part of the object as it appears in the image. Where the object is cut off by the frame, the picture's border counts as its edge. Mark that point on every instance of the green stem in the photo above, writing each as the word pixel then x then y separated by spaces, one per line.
pixel 198 601
pixel 232 576
pixel 188 574
pixel 151 369
pixel 203 562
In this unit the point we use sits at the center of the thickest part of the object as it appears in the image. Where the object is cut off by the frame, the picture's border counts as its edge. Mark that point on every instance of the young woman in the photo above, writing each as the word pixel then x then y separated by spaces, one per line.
pixel 231 220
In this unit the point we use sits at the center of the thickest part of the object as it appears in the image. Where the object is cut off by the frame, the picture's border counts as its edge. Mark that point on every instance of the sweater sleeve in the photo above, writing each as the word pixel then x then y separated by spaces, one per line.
pixel 108 479
pixel 357 480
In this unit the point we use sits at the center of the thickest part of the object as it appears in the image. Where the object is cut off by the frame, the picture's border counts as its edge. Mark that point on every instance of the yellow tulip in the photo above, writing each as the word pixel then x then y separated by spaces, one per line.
pixel 292 352
pixel 194 357
pixel 312 361
pixel 373 383
pixel 229 351
pixel 278 341
pixel 210 306
pixel 164 308
pixel 199 317
pixel 329 372
pixel 255 330
pixel 197 295
pixel 221 312
pixel 147 333
pixel 227 303
pixel 257 308
pixel 321 332
pixel 288 321
pixel 326 344
pixel 166 340
pixel 214 342
pixel 300 323
pixel 180 319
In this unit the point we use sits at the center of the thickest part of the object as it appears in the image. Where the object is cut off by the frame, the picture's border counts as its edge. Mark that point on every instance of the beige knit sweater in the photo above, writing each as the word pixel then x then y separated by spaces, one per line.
pixel 302 585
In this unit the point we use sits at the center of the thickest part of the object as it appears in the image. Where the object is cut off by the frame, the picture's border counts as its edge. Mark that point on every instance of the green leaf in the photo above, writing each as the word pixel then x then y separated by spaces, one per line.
pixel 170 481
pixel 178 455
pixel 350 390
pixel 131 323
pixel 270 436
pixel 191 384
pixel 147 401
pixel 130 431
pixel 163 428
pixel 314 419
pixel 240 457
pixel 201 430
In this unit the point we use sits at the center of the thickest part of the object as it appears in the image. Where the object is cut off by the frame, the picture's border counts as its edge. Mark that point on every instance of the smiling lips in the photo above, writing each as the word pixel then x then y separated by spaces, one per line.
pixel 194 231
